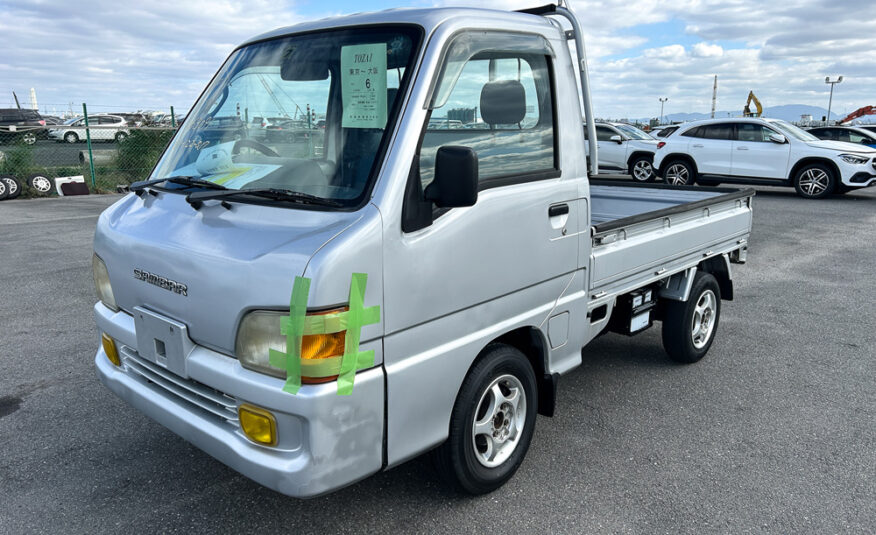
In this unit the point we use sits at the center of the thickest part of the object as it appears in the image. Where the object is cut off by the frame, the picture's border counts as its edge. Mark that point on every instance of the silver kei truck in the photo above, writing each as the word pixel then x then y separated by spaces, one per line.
pixel 312 311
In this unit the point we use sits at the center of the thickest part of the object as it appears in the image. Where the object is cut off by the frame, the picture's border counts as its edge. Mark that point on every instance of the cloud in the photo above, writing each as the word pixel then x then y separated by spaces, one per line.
pixel 118 55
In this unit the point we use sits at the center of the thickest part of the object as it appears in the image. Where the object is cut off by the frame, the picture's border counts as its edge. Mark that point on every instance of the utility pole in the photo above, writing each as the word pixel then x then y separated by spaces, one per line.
pixel 662 100
pixel 714 95
pixel 830 102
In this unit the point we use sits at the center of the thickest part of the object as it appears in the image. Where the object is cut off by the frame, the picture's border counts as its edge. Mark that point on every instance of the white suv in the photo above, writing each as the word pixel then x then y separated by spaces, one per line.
pixel 764 152
pixel 624 148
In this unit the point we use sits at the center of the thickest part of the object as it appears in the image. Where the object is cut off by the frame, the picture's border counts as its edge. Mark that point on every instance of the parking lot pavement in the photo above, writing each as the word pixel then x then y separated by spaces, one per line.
pixel 772 432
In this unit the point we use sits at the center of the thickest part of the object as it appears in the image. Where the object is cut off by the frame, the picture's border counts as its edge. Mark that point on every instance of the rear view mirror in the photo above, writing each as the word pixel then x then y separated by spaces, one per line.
pixel 616 139
pixel 305 63
pixel 456 178
pixel 778 138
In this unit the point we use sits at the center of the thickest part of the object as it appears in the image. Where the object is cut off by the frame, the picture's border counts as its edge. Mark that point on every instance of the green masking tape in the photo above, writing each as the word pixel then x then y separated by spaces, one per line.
pixel 293 328
pixel 299 324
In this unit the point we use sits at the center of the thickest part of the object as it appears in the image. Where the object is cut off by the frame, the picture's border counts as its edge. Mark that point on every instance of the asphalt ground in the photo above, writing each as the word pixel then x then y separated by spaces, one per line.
pixel 773 432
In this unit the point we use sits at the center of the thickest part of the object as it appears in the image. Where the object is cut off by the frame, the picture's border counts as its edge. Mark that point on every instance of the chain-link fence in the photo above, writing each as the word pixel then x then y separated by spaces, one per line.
pixel 108 147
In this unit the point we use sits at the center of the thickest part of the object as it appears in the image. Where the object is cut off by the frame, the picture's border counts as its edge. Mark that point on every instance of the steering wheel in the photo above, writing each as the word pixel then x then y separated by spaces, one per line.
pixel 255 145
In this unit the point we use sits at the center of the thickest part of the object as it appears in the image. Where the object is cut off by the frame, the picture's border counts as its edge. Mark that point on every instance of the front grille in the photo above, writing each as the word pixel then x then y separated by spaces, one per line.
pixel 206 398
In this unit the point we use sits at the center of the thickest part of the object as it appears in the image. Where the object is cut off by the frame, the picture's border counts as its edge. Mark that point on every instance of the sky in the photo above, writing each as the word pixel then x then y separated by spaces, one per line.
pixel 120 56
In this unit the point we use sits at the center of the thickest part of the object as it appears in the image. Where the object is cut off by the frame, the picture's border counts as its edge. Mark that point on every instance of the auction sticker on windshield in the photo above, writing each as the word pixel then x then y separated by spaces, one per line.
pixel 363 77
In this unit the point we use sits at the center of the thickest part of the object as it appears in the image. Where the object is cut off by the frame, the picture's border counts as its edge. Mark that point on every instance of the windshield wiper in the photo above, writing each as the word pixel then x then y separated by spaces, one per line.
pixel 191 181
pixel 197 198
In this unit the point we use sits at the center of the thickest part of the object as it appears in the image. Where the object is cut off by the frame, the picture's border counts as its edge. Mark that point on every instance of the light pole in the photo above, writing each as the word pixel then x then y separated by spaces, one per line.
pixel 662 100
pixel 830 102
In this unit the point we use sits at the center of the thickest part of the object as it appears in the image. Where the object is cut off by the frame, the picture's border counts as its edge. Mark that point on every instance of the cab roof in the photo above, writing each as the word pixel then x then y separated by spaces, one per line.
pixel 428 19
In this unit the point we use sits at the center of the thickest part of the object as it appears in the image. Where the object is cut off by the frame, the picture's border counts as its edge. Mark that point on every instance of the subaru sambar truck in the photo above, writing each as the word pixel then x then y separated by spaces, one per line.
pixel 312 310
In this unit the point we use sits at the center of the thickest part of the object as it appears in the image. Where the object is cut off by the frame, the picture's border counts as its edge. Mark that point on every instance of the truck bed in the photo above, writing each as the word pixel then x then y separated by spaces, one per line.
pixel 642 232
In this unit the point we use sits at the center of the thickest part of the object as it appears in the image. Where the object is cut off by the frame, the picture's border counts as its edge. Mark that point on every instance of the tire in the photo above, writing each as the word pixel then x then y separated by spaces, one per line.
pixel 687 331
pixel 679 173
pixel 41 183
pixel 478 463
pixel 29 138
pixel 814 181
pixel 641 169
pixel 4 191
pixel 120 136
pixel 13 186
pixel 71 137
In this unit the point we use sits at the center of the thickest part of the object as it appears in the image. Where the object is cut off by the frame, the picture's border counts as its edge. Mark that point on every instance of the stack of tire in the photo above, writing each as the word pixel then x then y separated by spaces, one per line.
pixel 10 185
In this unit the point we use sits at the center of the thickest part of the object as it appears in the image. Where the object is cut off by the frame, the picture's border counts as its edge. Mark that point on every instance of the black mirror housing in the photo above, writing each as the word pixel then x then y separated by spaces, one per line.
pixel 456 178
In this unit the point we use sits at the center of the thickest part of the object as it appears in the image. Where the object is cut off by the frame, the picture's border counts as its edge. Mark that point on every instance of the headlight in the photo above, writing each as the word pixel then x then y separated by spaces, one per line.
pixel 854 159
pixel 259 332
pixel 102 283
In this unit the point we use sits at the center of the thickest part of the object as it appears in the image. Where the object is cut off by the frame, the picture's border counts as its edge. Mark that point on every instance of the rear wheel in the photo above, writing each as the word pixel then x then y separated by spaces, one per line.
pixel 29 138
pixel 814 181
pixel 641 169
pixel 492 422
pixel 71 137
pixel 689 327
pixel 679 173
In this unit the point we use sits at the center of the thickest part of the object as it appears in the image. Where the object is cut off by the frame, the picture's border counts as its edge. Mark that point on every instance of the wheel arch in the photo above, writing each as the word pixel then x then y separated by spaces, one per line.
pixel 803 162
pixel 637 153
pixel 532 342
pixel 719 267
pixel 675 156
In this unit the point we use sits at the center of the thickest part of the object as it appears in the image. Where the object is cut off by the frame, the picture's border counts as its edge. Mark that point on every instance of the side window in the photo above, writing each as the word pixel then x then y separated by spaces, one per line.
pixel 604 134
pixel 752 132
pixel 500 105
pixel 694 132
pixel 841 135
pixel 857 138
pixel 717 131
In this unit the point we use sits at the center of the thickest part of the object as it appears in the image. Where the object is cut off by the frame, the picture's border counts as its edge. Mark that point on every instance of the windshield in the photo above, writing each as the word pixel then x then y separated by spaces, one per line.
pixel 633 132
pixel 304 114
pixel 790 130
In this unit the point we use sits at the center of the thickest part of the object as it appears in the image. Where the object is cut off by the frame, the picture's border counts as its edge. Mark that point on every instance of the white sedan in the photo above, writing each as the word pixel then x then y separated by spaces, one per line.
pixel 102 128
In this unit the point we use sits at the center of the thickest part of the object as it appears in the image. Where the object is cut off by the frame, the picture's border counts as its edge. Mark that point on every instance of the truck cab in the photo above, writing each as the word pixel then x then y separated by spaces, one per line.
pixel 310 312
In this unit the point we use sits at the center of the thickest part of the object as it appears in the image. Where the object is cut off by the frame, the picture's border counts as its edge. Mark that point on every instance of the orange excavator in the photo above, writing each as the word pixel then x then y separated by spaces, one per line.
pixel 746 111
pixel 860 112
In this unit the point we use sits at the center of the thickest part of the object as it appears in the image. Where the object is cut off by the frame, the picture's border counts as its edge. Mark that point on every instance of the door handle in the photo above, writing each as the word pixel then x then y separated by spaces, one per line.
pixel 697 146
pixel 558 209
pixel 741 148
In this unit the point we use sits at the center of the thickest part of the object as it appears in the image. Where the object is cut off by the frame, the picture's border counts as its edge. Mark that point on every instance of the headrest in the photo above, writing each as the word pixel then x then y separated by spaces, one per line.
pixel 503 102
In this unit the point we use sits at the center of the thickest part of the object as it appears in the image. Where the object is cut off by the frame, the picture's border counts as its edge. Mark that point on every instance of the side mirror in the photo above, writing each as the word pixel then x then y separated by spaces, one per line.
pixel 778 138
pixel 456 178
pixel 617 139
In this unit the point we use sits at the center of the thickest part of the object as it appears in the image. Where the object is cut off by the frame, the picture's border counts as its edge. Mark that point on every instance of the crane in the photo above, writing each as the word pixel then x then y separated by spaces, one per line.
pixel 746 111
pixel 860 112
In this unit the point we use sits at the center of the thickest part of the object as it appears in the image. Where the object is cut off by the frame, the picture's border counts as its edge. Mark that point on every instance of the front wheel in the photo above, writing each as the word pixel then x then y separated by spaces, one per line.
pixel 689 327
pixel 641 169
pixel 71 137
pixel 492 422
pixel 29 138
pixel 679 173
pixel 814 181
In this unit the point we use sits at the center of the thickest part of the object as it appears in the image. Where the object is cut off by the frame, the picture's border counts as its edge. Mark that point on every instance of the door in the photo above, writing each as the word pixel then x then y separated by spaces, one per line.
pixel 475 271
pixel 711 148
pixel 754 155
pixel 612 154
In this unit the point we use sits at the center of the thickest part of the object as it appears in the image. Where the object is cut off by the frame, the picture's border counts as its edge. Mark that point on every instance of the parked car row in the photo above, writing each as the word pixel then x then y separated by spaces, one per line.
pixel 102 128
pixel 10 185
pixel 28 126
pixel 760 151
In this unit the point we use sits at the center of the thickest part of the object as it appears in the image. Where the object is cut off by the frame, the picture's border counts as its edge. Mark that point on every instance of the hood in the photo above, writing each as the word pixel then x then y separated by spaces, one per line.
pixel 229 260
pixel 843 146
pixel 646 143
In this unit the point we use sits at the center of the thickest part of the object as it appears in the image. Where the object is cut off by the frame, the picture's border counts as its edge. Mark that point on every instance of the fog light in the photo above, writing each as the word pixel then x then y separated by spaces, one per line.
pixel 109 347
pixel 258 424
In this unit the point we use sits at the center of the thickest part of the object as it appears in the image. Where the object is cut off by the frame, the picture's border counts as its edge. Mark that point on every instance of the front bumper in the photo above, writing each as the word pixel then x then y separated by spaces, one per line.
pixel 325 441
